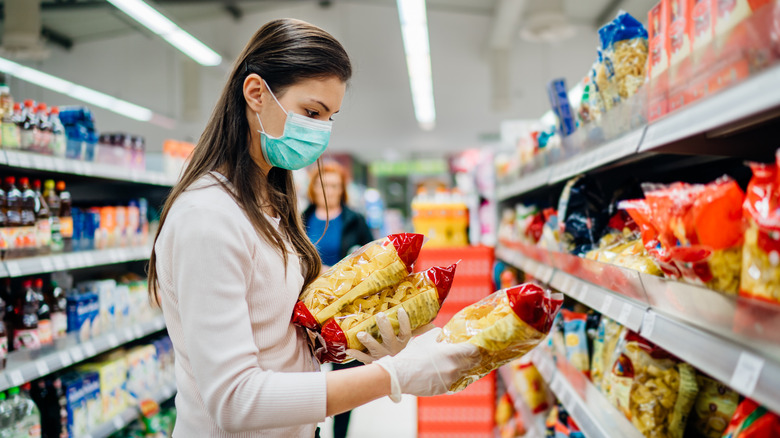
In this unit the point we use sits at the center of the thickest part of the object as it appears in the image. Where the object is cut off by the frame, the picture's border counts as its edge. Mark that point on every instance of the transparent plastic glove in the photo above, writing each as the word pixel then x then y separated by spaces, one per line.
pixel 427 367
pixel 390 345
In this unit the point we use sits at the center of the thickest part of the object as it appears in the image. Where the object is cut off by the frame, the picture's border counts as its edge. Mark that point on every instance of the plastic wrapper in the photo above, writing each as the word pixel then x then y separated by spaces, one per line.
pixel 761 252
pixel 622 246
pixel 420 295
pixel 576 340
pixel 753 421
pixel 582 212
pixel 713 408
pixel 693 231
pixel 377 265
pixel 531 385
pixel 504 325
pixel 624 50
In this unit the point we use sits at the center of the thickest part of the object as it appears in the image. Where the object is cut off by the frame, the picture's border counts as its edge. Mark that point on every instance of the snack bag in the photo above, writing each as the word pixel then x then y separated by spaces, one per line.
pixel 713 408
pixel 753 421
pixel 375 266
pixel 624 46
pixel 576 340
pixel 504 325
pixel 760 267
pixel 531 385
pixel 420 295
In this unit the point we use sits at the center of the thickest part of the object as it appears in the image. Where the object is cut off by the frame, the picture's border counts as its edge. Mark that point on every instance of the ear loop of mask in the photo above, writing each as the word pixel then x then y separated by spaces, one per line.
pixel 277 102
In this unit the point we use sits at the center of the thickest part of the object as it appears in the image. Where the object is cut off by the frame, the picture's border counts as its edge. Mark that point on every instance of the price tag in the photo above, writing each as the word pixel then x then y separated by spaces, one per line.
pixel 37 161
pixel 648 324
pixel 76 354
pixel 47 163
pixel 65 359
pixel 112 340
pixel 138 332
pixel 89 349
pixel 583 292
pixel 129 334
pixel 625 313
pixel 42 367
pixel 89 260
pixel 59 263
pixel 24 160
pixel 747 373
pixel 13 269
pixel 159 323
pixel 13 159
pixel 113 257
pixel 59 165
pixel 46 264
pixel 606 305
pixel 15 377
pixel 566 398
pixel 118 423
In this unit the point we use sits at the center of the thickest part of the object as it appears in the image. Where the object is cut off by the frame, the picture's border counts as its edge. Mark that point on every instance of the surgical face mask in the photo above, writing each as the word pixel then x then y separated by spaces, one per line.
pixel 302 142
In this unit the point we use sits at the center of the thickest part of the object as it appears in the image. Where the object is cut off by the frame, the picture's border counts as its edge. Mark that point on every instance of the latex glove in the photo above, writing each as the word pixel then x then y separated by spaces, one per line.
pixel 427 367
pixel 390 345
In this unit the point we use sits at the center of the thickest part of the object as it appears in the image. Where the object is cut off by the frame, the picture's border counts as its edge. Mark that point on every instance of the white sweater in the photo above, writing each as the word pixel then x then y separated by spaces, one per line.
pixel 242 369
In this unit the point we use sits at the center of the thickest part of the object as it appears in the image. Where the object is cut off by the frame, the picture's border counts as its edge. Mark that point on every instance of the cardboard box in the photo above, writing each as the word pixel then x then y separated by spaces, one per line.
pixel 657 62
pixel 701 26
pixel 729 13
pixel 678 40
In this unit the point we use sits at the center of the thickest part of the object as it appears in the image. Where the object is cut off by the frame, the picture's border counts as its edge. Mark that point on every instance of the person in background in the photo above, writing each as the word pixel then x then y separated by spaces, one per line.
pixel 346 231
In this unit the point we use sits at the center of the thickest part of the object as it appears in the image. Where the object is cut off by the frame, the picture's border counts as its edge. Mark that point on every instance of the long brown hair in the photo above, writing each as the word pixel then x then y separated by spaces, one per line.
pixel 282 52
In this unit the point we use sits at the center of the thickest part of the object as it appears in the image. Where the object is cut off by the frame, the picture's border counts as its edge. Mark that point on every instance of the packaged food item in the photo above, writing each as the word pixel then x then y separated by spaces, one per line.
pixel 624 47
pixel 595 101
pixel 375 266
pixel 582 214
pixel 559 101
pixel 657 40
pixel 606 82
pixel 730 13
pixel 713 408
pixel 531 386
pixel 576 340
pixel 702 23
pixel 753 421
pixel 420 295
pixel 679 43
pixel 504 325
pixel 760 267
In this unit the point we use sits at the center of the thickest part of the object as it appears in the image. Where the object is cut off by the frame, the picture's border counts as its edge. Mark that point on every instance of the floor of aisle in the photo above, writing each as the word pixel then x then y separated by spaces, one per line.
pixel 380 419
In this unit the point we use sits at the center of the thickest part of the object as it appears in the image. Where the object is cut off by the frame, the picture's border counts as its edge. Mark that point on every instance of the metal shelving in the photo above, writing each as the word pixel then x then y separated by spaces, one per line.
pixel 75 260
pixel 25 366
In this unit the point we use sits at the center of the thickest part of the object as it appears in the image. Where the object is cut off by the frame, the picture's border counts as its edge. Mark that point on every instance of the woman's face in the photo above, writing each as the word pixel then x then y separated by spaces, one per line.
pixel 332 183
pixel 317 98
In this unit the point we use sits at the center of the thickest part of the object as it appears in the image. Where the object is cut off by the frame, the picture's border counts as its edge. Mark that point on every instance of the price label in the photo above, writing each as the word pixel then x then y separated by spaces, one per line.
pixel 15 377
pixel 37 161
pixel 59 263
pixel 129 334
pixel 159 323
pixel 76 354
pixel 13 159
pixel 747 373
pixel 606 305
pixel 59 165
pixel 648 324
pixel 89 349
pixel 65 359
pixel 113 256
pixel 47 264
pixel 42 367
pixel 47 163
pixel 118 423
pixel 112 340
pixel 583 292
pixel 138 332
pixel 24 160
pixel 13 269
pixel 625 313
pixel 89 260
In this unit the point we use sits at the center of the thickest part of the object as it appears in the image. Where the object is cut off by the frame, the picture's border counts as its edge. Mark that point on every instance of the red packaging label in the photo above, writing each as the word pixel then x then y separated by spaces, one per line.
pixel 658 61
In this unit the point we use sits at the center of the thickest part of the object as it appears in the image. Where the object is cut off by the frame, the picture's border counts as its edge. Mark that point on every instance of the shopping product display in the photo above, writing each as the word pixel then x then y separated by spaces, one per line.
pixel 442 217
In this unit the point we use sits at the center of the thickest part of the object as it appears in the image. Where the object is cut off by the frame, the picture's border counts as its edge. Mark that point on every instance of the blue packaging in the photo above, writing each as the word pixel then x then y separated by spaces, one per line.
pixel 73 387
pixel 559 101
pixel 92 401
pixel 78 227
pixel 83 310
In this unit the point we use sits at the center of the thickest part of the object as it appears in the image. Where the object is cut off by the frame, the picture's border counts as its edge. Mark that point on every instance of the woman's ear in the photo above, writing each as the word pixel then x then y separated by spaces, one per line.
pixel 255 92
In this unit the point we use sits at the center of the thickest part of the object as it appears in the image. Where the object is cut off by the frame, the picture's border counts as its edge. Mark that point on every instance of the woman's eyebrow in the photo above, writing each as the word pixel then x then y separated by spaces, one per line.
pixel 323 105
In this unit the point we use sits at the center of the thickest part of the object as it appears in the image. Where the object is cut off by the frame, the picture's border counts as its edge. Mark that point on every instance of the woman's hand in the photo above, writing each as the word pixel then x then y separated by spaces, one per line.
pixel 427 367
pixel 391 344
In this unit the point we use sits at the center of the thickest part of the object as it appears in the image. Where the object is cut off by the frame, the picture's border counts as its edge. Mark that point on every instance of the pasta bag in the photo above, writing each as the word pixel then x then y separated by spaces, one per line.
pixel 624 44
pixel 504 325
pixel 375 266
pixel 421 296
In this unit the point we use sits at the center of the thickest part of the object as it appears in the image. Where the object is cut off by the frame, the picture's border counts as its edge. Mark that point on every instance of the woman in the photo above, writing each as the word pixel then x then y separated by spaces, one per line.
pixel 231 257
pixel 337 231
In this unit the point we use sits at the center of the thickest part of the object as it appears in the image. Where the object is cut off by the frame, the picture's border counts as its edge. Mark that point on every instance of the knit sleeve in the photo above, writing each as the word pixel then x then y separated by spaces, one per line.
pixel 209 270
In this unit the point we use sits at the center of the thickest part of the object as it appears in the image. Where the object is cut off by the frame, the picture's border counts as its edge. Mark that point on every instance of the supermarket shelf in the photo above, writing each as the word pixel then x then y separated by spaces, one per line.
pixel 531 182
pixel 753 96
pixel 32 161
pixel 25 366
pixel 614 150
pixel 595 416
pixel 75 260
pixel 130 414
pixel 534 423
pixel 733 339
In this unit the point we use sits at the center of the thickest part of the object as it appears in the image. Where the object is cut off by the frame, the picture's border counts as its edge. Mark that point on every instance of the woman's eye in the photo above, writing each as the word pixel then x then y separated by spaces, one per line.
pixel 311 113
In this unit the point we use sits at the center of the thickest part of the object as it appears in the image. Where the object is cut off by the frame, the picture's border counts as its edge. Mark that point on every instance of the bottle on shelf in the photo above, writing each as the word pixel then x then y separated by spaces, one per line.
pixel 59 142
pixel 3 335
pixel 11 127
pixel 42 219
pixel 29 128
pixel 26 335
pixel 58 307
pixel 4 240
pixel 44 130
pixel 8 319
pixel 52 403
pixel 29 226
pixel 28 416
pixel 13 214
pixel 9 131
pixel 53 201
pixel 45 329
pixel 7 418
pixel 66 220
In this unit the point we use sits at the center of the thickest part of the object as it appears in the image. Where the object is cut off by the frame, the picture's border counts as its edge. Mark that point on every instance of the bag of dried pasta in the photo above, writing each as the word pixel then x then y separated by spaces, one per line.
pixel 420 295
pixel 624 47
pixel 504 325
pixel 761 253
pixel 377 265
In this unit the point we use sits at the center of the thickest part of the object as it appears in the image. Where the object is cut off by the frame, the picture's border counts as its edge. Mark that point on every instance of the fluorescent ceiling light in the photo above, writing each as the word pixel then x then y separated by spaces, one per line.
pixel 414 30
pixel 76 91
pixel 158 23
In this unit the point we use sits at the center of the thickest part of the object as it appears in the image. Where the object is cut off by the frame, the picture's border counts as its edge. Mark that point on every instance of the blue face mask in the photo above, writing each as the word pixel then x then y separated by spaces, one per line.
pixel 302 142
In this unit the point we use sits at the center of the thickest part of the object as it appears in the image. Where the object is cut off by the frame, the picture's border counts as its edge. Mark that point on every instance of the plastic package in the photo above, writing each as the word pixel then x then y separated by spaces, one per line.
pixel 582 215
pixel 624 47
pixel 531 386
pixel 576 340
pixel 420 295
pixel 753 421
pixel 504 325
pixel 714 407
pixel 622 246
pixel 377 265
pixel 761 253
